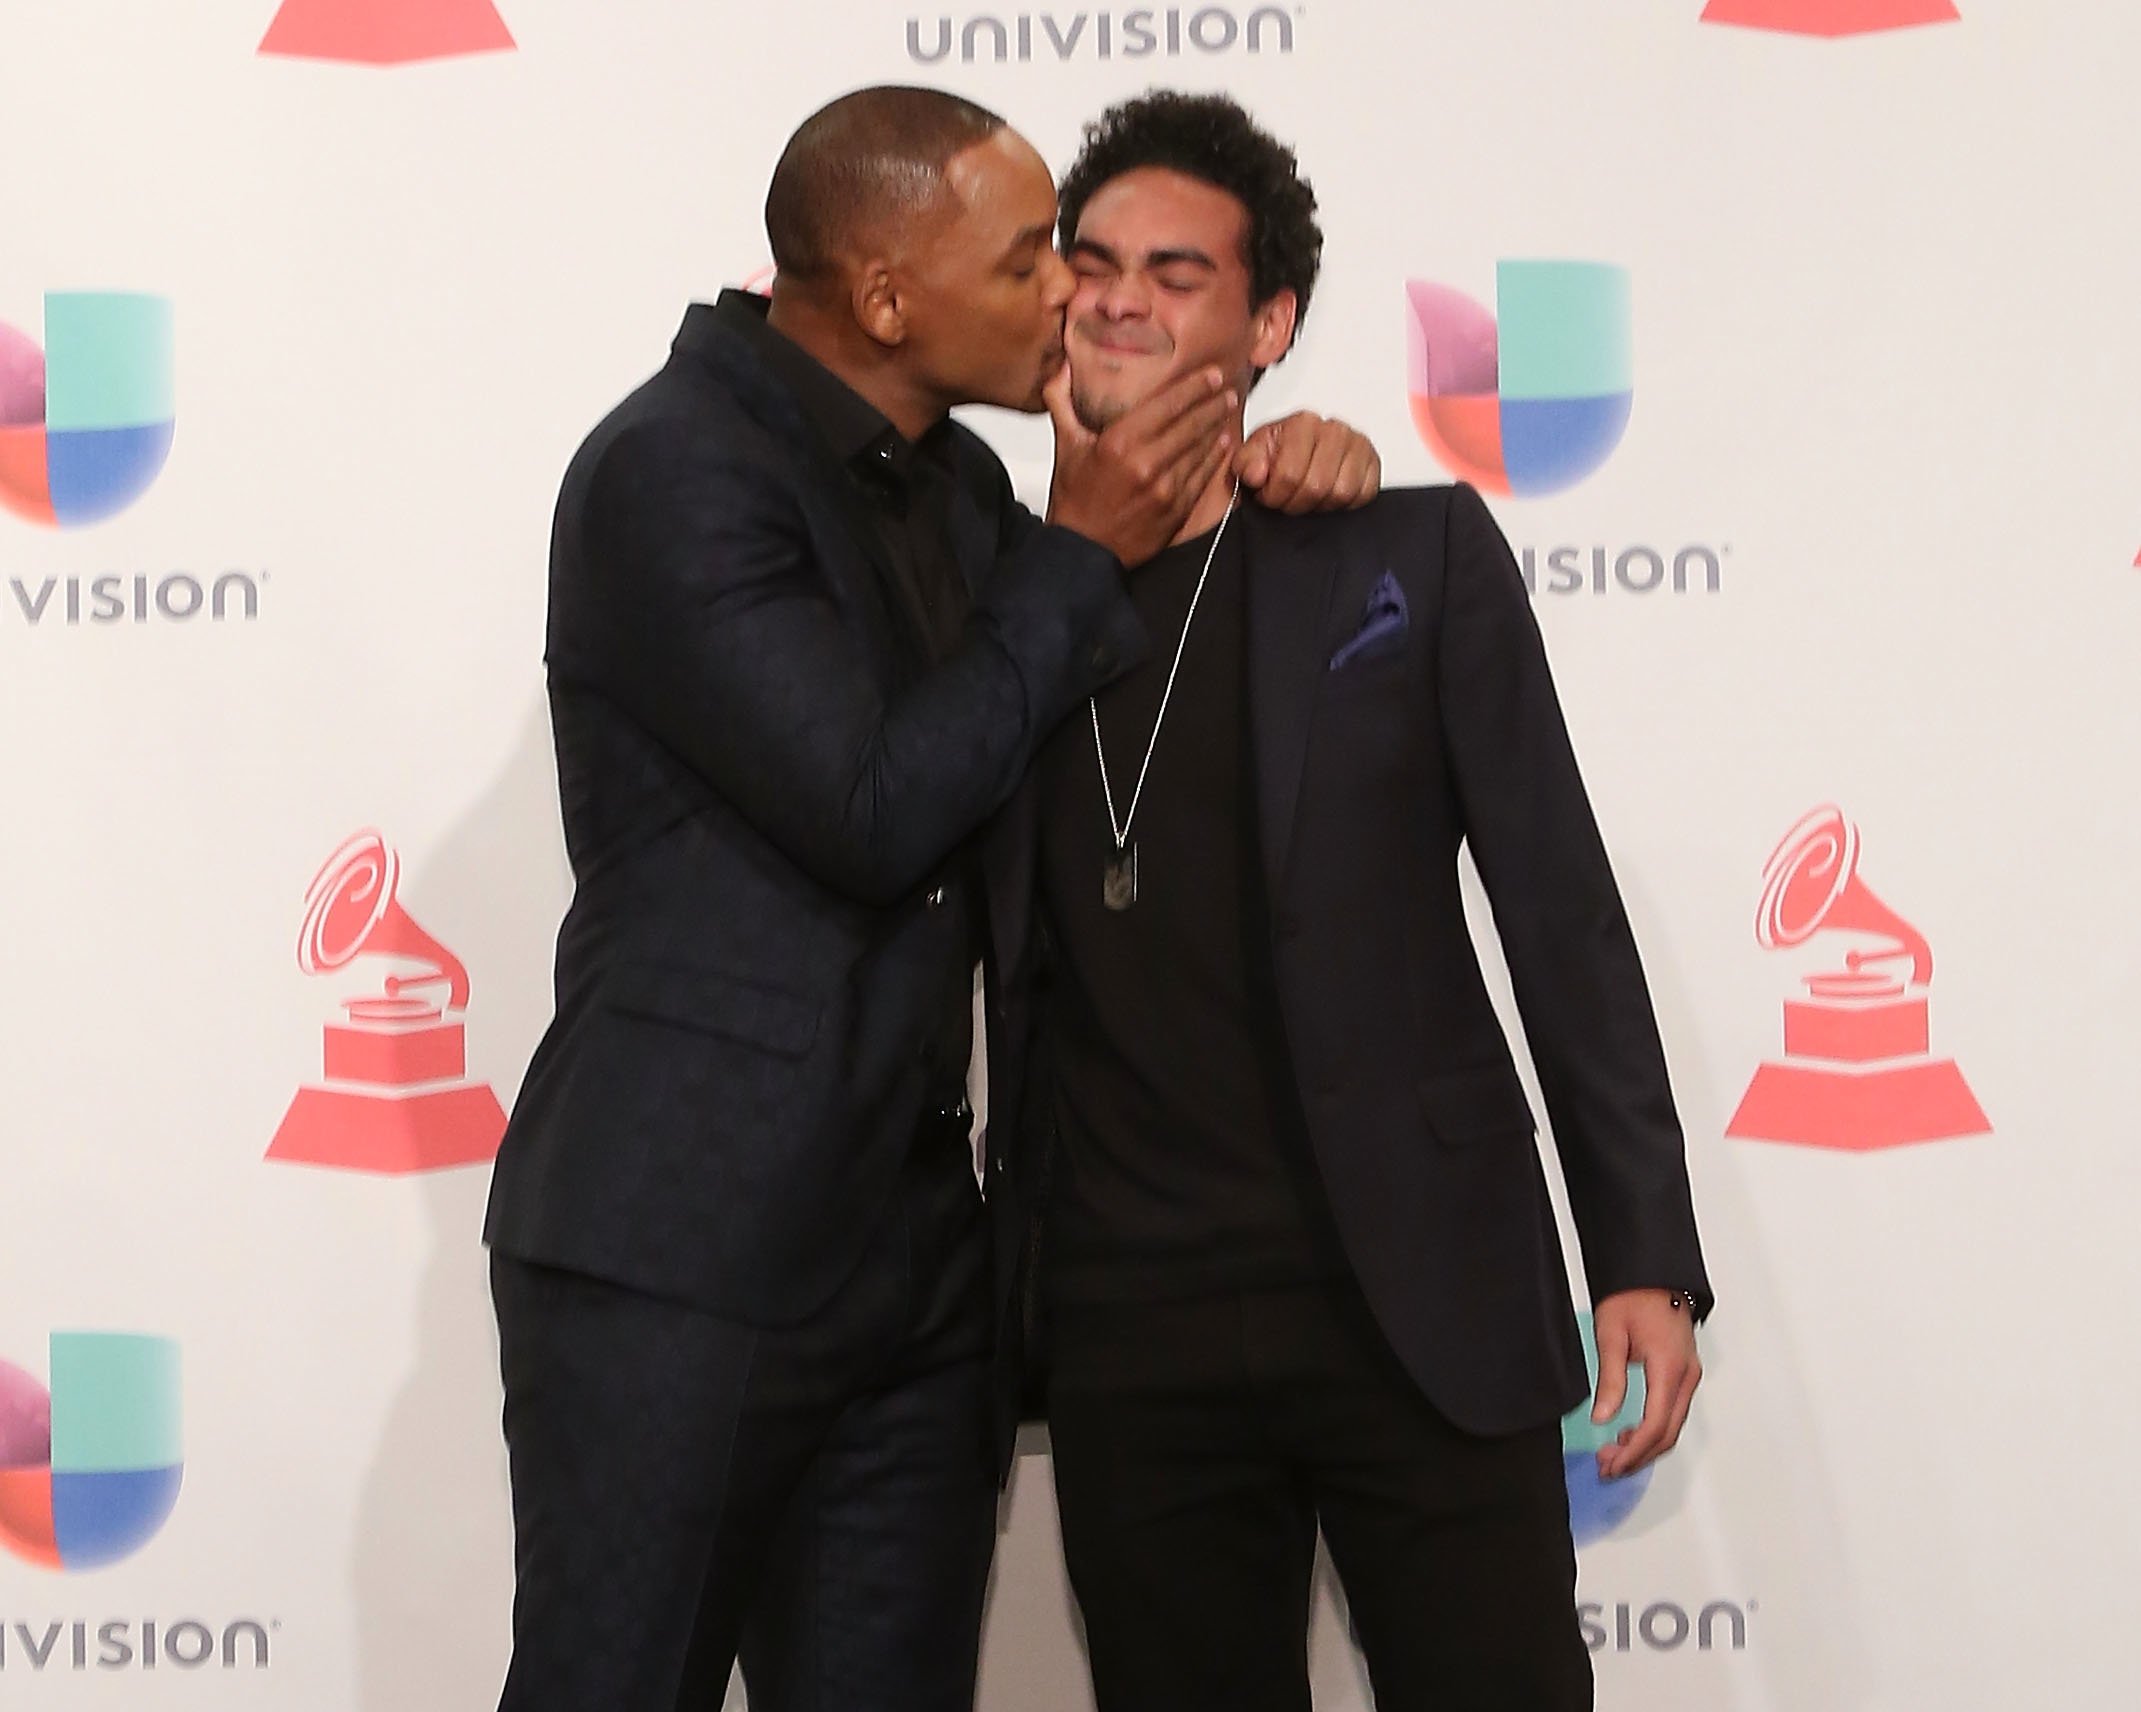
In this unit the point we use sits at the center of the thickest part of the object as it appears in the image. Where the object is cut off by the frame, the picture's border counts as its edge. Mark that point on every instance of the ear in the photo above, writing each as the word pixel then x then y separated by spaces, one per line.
pixel 874 296
pixel 1273 325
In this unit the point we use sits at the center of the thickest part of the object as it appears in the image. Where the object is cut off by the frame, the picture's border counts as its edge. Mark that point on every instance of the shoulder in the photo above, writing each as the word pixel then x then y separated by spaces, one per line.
pixel 688 425
pixel 981 477
pixel 980 471
pixel 671 466
pixel 1395 517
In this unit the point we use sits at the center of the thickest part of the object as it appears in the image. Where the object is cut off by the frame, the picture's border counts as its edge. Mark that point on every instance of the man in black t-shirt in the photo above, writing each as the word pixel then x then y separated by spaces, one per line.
pixel 1296 1260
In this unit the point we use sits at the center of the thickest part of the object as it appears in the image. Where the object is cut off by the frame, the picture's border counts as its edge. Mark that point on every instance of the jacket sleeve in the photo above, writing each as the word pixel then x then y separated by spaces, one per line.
pixel 706 617
pixel 1572 958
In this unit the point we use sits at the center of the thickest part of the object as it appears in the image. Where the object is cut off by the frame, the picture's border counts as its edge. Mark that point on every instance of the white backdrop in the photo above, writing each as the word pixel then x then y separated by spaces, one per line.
pixel 1885 361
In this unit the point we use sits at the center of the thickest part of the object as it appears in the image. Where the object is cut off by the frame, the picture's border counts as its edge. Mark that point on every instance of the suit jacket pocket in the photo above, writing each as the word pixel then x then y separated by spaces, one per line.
pixel 710 1001
pixel 1380 665
pixel 1465 1107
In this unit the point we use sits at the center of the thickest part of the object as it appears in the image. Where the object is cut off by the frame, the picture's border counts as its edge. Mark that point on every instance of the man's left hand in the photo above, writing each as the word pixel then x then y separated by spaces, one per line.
pixel 1305 462
pixel 1644 1326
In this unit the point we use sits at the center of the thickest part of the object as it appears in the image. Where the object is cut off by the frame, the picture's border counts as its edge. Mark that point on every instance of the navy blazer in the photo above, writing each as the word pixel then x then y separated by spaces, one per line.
pixel 1401 706
pixel 760 784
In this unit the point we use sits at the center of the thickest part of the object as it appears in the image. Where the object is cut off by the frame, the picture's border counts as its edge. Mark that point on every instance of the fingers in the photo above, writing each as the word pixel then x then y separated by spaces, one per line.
pixel 1214 460
pixel 1293 443
pixel 1360 477
pixel 1178 415
pixel 1184 439
pixel 1201 446
pixel 1612 1367
pixel 1641 1444
pixel 1318 489
pixel 1152 418
pixel 1682 1404
pixel 1056 394
pixel 1671 1382
pixel 1326 466
pixel 1190 482
pixel 1252 464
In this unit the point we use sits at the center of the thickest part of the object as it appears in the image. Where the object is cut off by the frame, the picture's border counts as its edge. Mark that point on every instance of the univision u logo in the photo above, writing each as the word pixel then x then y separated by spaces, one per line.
pixel 86 422
pixel 1533 399
pixel 90 1471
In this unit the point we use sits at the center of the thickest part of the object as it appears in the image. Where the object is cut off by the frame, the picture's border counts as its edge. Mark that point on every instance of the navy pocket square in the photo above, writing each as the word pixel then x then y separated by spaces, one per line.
pixel 1384 619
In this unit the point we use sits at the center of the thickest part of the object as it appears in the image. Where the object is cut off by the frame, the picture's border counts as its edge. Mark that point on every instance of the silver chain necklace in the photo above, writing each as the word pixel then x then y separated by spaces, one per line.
pixel 1118 884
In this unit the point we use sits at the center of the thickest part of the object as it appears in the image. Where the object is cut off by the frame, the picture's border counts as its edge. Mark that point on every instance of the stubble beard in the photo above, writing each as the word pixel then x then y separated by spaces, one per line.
pixel 1096 411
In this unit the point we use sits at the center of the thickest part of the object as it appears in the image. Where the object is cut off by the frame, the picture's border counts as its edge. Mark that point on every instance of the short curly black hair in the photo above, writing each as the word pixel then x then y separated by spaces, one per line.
pixel 1210 138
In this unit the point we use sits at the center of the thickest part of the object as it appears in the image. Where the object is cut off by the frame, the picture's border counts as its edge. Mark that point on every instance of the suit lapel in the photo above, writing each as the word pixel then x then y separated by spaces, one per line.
pixel 1288 587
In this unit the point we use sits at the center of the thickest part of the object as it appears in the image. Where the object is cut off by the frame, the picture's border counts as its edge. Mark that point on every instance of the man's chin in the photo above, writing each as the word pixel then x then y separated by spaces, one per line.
pixel 1107 386
pixel 1096 409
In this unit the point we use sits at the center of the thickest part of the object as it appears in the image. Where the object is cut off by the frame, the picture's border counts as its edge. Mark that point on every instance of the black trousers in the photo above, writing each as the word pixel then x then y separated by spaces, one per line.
pixel 821 1498
pixel 1198 1447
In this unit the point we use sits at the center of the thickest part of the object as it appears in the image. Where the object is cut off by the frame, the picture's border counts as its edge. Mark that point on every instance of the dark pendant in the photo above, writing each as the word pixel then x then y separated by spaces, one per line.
pixel 1118 886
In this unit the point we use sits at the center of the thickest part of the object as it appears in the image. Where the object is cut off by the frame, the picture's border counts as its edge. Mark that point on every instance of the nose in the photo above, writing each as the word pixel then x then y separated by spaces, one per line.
pixel 1121 298
pixel 1059 283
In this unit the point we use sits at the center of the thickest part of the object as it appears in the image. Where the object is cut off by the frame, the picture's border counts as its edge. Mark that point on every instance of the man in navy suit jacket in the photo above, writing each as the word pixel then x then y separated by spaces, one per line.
pixel 1294 1259
pixel 802 643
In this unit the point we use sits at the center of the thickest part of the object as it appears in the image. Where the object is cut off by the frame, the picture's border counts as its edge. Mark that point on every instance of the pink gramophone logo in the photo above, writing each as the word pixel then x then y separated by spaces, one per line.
pixel 396 1097
pixel 1830 17
pixel 1858 1071
pixel 385 32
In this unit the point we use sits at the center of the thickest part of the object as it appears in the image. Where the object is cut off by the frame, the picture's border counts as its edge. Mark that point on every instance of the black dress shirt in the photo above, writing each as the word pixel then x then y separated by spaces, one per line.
pixel 906 488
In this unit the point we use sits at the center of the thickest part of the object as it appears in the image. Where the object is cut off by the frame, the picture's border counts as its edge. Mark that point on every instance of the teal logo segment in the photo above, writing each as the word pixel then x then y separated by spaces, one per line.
pixel 90 1471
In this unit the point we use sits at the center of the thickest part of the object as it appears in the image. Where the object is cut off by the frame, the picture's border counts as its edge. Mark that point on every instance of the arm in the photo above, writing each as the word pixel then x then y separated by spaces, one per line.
pixel 720 635
pixel 1578 980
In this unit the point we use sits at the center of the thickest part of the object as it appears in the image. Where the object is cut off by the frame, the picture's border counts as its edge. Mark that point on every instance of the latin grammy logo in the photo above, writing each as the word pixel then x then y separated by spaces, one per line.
pixel 1830 17
pixel 397 1099
pixel 1857 1072
pixel 385 32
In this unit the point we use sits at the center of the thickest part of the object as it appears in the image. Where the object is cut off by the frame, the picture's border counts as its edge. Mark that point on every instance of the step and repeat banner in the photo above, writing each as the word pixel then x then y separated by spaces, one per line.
pixel 1795 344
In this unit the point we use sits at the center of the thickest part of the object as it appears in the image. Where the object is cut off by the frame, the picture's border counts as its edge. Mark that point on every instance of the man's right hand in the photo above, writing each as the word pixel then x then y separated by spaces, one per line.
pixel 1132 486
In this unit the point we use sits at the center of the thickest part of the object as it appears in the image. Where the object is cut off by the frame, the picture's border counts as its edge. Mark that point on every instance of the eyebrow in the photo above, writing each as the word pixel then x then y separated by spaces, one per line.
pixel 1153 258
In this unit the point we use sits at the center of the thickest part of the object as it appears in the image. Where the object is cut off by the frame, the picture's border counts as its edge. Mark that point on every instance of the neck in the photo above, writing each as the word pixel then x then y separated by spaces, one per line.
pixel 1217 496
pixel 834 340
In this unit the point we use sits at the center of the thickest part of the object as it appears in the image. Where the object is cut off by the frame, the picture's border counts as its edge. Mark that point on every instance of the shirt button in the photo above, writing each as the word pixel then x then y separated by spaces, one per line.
pixel 936 898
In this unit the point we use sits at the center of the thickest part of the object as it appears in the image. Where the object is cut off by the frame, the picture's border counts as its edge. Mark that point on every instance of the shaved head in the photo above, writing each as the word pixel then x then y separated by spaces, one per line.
pixel 914 254
pixel 862 169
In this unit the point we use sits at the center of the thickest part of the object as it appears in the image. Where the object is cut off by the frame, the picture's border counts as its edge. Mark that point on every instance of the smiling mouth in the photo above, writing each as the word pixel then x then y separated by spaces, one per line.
pixel 1121 348
pixel 1111 341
